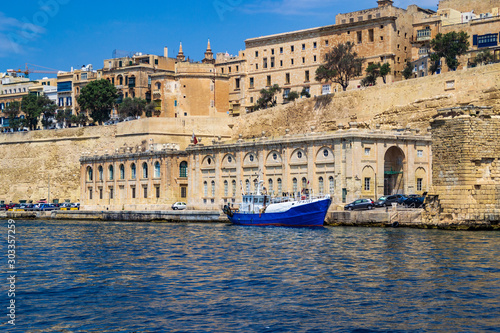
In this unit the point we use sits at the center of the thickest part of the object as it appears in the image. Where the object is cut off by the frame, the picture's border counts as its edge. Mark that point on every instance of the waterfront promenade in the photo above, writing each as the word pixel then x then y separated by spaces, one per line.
pixel 394 217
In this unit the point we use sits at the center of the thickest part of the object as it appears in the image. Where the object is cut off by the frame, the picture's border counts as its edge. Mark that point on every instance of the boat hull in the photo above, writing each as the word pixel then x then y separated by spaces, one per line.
pixel 308 215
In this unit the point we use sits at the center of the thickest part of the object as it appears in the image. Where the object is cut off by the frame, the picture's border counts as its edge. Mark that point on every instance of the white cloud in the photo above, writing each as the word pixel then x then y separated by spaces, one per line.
pixel 16 35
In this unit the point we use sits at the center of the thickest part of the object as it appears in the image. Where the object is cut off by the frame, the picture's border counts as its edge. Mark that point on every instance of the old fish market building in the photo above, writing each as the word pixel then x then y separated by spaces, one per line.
pixel 348 164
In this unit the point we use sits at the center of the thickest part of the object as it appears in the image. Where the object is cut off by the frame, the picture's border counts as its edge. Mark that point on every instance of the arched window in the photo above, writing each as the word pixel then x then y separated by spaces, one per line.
pixel 89 174
pixel 332 184
pixel 122 171
pixel 101 173
pixel 226 188
pixel 304 183
pixel 280 187
pixel 247 185
pixel 205 189
pixel 157 169
pixel 294 182
pixel 144 170
pixel 158 85
pixel 213 188
pixel 133 174
pixel 270 186
pixel 120 79
pixel 321 184
pixel 183 169
pixel 234 187
pixel 111 172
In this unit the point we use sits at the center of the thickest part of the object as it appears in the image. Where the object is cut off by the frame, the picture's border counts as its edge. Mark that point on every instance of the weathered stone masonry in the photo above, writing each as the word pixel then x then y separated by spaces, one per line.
pixel 466 148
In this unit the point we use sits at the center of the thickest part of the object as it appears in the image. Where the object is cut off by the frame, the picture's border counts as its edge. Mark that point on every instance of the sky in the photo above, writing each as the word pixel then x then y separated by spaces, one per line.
pixel 60 34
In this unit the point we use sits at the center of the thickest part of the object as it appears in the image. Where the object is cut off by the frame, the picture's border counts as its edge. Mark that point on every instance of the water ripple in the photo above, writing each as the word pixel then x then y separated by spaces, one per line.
pixel 127 277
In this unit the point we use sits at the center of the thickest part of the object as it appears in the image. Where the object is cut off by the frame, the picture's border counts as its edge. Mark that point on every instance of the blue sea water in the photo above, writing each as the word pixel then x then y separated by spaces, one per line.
pixel 144 277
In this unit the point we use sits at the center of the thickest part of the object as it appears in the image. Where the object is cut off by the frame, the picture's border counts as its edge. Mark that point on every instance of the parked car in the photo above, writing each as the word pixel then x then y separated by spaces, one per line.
pixel 27 206
pixel 387 200
pixel 360 204
pixel 179 206
pixel 2 207
pixel 46 207
pixel 75 205
pixel 414 201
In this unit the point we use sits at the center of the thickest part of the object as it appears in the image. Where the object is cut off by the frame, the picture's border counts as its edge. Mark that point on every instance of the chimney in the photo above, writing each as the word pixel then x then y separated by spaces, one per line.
pixel 165 52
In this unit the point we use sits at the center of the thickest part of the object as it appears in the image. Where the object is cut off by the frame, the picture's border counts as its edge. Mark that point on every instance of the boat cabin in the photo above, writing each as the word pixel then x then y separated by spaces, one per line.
pixel 254 203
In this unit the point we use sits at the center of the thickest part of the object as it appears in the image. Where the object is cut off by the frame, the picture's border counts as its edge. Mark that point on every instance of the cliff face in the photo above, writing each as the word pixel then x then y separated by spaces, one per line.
pixel 407 103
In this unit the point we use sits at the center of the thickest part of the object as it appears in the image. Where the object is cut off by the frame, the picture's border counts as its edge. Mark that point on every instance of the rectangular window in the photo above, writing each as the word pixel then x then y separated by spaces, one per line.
pixel 367 151
pixel 315 45
pixel 326 43
pixel 237 68
pixel 314 58
pixel 292 48
pixel 351 20
pixel 183 191
pixel 360 18
pixel 487 40
pixel 306 76
pixel 371 37
pixel 291 62
pixel 264 63
pixel 303 60
pixel 251 82
pixel 419 184
pixel 251 99
pixel 326 89
pixel 286 92
pixel 420 153
pixel 281 63
pixel 237 83
pixel 256 54
pixel 272 51
pixel 367 184
pixel 303 47
pixel 256 66
pixel 145 192
pixel 272 62
pixel 157 188
pixel 133 192
pixel 281 50
pixel 111 193
pixel 268 80
pixel 100 193
pixel 90 193
pixel 156 61
pixel 360 37
pixel 287 78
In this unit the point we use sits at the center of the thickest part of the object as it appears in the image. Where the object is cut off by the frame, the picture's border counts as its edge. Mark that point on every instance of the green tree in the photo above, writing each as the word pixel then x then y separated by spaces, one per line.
pixel 132 107
pixel 449 46
pixel 372 73
pixel 341 65
pixel 305 93
pixel 150 109
pixel 34 106
pixel 12 111
pixel 292 96
pixel 407 71
pixel 98 99
pixel 483 58
pixel 385 69
pixel 267 97
pixel 64 117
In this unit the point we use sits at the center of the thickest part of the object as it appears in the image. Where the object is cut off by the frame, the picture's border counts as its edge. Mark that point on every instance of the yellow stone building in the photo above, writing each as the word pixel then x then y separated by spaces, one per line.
pixel 348 164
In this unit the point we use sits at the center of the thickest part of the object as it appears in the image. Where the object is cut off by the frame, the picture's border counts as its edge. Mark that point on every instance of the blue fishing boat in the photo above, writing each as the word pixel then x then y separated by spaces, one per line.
pixel 260 209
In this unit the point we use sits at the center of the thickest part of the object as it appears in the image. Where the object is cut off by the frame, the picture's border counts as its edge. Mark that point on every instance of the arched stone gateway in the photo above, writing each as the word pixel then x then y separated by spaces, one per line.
pixel 394 165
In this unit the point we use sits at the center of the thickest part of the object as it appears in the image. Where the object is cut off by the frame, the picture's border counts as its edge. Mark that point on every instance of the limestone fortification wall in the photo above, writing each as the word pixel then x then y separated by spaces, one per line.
pixel 466 151
pixel 29 161
pixel 479 7
pixel 400 104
